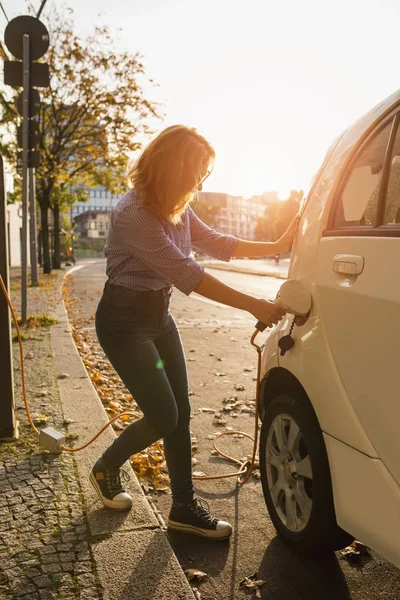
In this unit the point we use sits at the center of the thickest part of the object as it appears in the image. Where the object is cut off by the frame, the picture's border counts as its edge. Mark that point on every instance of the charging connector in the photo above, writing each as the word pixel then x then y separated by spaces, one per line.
pixel 52 440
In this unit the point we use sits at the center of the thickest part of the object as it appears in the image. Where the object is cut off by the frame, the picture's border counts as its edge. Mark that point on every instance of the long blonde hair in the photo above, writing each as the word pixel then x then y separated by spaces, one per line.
pixel 170 169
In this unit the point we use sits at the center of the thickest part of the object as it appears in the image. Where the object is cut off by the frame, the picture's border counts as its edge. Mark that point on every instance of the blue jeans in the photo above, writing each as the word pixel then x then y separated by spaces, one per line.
pixel 140 338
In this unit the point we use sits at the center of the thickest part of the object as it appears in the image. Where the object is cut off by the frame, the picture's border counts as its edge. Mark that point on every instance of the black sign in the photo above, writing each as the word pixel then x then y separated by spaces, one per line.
pixel 39 74
pixel 33 134
pixel 34 103
pixel 38 37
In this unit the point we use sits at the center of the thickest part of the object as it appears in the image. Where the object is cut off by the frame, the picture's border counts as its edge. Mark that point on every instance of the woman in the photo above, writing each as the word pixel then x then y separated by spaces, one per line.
pixel 151 235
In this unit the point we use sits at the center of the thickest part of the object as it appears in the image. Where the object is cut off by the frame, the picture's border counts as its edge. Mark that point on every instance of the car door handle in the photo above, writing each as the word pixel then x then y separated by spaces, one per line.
pixel 348 264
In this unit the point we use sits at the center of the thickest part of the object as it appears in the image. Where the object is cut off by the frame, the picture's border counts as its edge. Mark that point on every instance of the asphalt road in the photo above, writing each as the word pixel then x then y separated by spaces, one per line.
pixel 211 331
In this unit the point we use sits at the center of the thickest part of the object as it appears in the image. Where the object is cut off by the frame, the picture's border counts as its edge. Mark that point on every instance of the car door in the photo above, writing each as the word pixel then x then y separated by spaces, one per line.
pixel 358 285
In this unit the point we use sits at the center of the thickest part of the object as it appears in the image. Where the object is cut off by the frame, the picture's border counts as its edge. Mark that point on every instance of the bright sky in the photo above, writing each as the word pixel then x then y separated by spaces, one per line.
pixel 270 83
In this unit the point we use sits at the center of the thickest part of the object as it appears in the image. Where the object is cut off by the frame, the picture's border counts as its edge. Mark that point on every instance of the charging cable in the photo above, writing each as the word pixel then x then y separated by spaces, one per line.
pixel 51 439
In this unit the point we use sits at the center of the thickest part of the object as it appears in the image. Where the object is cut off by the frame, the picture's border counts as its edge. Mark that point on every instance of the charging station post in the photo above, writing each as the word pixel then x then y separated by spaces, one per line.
pixel 8 423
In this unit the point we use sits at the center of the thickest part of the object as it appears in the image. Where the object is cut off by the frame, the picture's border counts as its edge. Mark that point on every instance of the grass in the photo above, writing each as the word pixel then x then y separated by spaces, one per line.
pixel 38 320
pixel 23 337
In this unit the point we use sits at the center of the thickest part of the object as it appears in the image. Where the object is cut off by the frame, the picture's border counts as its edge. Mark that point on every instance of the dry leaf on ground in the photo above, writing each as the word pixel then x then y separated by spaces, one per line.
pixel 253 584
pixel 195 575
pixel 356 554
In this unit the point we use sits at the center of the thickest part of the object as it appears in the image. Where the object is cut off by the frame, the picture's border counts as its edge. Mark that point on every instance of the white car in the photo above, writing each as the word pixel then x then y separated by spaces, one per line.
pixel 330 406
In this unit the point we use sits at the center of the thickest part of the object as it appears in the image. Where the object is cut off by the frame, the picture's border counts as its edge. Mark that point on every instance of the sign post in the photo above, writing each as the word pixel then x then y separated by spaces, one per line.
pixel 27 39
pixel 8 423
pixel 25 181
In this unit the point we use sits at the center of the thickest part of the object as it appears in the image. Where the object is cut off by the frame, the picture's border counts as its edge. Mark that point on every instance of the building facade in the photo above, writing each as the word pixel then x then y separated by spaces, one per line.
pixel 237 215
pixel 92 224
pixel 14 234
pixel 99 200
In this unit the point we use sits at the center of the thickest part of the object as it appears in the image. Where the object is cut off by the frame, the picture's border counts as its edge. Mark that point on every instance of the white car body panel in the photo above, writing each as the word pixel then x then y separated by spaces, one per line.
pixel 357 411
pixel 367 499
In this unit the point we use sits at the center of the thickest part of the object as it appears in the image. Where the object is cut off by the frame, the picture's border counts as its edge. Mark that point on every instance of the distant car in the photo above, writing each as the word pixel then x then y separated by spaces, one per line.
pixel 330 406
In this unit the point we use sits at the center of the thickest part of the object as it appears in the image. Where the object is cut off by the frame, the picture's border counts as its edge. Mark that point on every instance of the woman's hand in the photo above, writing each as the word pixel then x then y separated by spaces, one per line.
pixel 286 239
pixel 266 311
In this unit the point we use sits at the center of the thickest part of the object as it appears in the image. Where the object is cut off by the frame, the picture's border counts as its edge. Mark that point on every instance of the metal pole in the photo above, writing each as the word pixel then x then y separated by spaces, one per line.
pixel 41 8
pixel 8 424
pixel 32 227
pixel 25 182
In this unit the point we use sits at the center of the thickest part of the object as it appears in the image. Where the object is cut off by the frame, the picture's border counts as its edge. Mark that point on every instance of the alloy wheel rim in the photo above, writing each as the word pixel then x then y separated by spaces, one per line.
pixel 289 472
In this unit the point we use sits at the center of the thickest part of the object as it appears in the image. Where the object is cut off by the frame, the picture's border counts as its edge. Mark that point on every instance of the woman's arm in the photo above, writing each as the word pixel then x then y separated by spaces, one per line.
pixel 245 248
pixel 263 310
pixel 215 244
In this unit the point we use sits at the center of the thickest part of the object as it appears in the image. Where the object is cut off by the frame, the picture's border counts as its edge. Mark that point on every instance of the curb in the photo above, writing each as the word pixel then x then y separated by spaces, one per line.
pixel 133 556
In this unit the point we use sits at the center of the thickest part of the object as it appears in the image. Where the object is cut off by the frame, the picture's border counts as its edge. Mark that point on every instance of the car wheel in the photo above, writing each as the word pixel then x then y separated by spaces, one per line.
pixel 296 478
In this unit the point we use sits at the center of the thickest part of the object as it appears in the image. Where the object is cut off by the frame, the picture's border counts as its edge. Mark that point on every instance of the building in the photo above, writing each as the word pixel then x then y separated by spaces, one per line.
pixel 92 224
pixel 99 199
pixel 237 215
pixel 14 234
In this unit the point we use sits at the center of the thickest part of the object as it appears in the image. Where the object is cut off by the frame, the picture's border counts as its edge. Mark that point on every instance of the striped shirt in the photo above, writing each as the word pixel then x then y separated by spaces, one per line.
pixel 146 252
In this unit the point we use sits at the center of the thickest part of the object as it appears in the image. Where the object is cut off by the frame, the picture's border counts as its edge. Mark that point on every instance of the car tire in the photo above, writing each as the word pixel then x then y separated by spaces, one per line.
pixel 296 478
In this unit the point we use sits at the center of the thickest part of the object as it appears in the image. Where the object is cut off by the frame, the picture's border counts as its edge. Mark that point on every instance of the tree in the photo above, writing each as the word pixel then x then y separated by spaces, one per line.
pixel 277 217
pixel 94 113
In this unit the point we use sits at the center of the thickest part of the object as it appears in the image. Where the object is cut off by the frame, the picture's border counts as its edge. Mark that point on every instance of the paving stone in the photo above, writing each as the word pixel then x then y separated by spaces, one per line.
pixel 42 581
pixel 67 556
pixel 86 579
pixel 43 530
pixel 82 567
pixel 52 568
pixel 48 559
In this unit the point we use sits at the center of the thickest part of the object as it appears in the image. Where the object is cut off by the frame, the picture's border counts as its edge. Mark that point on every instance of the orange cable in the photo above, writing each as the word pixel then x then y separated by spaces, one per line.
pixel 3 287
pixel 245 467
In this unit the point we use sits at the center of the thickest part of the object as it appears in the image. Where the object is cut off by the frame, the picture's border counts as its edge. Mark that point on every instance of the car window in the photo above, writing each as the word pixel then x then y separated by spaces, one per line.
pixel 358 204
pixel 392 208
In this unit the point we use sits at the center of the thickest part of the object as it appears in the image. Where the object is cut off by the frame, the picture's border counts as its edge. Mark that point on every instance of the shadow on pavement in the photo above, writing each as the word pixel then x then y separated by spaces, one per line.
pixel 291 576
pixel 200 553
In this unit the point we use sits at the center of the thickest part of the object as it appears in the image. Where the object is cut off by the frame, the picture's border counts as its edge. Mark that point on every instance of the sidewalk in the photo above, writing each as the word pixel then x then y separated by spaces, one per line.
pixel 56 539
pixel 264 267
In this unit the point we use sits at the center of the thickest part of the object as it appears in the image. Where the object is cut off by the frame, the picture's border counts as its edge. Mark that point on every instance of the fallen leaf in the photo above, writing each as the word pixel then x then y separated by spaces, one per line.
pixel 62 376
pixel 207 410
pixel 219 420
pixel 195 575
pixel 239 387
pixel 253 584
pixel 356 554
pixel 199 474
pixel 42 394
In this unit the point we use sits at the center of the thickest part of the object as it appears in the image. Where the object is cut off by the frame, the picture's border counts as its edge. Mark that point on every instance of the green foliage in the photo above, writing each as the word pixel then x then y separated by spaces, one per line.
pixel 96 244
pixel 277 217
pixel 93 115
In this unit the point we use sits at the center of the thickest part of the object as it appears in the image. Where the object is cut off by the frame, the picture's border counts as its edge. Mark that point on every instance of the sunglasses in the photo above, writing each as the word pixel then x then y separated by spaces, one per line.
pixel 200 185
